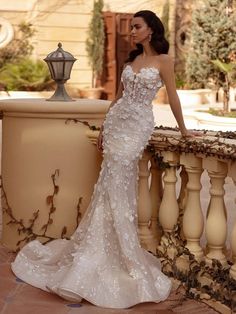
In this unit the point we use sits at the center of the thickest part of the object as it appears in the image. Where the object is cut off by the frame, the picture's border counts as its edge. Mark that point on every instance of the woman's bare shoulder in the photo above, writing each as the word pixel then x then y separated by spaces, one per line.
pixel 164 58
pixel 165 63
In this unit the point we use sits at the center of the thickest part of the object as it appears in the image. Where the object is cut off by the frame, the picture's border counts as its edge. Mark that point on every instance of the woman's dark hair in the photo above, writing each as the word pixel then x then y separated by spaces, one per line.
pixel 158 41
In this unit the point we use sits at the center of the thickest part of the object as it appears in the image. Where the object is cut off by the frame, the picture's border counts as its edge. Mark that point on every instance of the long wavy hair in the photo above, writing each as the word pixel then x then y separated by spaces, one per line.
pixel 158 41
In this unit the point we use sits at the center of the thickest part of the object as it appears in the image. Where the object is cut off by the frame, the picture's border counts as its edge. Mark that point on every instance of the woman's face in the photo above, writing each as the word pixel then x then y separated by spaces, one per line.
pixel 140 31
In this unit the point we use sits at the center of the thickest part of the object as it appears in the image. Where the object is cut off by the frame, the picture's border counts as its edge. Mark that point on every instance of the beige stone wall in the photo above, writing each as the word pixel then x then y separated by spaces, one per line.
pixel 133 6
pixel 66 21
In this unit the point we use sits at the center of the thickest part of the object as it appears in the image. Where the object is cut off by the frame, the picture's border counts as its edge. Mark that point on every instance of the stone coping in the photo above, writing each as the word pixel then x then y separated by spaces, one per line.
pixel 221 145
pixel 41 105
pixel 41 108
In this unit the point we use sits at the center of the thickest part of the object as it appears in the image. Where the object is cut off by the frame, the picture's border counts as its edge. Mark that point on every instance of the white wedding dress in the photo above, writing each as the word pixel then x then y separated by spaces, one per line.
pixel 103 261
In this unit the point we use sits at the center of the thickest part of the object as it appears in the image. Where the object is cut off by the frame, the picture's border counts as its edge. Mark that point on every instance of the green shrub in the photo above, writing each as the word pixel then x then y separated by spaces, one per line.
pixel 180 81
pixel 26 74
pixel 19 47
pixel 212 38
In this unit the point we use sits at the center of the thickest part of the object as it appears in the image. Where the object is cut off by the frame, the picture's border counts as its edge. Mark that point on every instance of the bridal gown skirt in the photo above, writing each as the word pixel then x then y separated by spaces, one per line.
pixel 103 261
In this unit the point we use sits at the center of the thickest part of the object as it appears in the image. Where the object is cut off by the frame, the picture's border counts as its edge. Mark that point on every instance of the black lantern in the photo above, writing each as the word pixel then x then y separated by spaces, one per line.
pixel 60 63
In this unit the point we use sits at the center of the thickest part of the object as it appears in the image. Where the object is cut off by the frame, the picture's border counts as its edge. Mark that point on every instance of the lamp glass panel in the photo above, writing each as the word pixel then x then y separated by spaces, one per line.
pixel 51 70
pixel 68 67
pixel 58 67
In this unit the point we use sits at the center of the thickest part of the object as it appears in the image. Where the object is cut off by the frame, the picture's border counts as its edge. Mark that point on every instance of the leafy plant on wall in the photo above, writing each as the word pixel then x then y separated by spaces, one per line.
pixel 199 280
pixel 26 229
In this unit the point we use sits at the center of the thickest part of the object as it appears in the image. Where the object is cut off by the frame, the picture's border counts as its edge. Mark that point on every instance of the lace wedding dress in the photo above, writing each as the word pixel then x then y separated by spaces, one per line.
pixel 103 261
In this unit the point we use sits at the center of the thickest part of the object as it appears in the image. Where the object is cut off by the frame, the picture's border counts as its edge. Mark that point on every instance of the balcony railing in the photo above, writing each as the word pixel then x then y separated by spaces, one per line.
pixel 161 213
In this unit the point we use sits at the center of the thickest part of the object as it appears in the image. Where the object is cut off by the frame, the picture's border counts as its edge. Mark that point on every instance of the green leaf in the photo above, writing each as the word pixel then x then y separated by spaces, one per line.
pixel 224 67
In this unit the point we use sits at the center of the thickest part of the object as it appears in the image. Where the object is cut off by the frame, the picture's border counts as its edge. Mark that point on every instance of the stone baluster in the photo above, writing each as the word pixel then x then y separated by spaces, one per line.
pixel 216 222
pixel 193 218
pixel 156 192
pixel 233 249
pixel 232 174
pixel 169 208
pixel 146 236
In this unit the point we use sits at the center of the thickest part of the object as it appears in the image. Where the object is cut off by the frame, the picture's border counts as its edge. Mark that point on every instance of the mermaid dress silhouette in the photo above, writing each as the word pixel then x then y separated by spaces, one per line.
pixel 103 261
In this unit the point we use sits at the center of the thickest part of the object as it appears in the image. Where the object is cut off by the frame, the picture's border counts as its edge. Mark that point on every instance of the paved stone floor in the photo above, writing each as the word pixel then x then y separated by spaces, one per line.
pixel 16 297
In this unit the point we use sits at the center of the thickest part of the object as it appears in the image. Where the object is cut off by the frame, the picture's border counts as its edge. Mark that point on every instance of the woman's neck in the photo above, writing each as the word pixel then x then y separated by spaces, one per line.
pixel 148 51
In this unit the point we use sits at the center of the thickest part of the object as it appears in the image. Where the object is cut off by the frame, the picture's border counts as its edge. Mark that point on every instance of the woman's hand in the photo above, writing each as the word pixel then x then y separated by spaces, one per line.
pixel 191 133
pixel 100 140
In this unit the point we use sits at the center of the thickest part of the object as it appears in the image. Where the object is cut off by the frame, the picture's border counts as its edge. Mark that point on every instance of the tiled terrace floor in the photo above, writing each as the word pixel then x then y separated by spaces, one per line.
pixel 16 297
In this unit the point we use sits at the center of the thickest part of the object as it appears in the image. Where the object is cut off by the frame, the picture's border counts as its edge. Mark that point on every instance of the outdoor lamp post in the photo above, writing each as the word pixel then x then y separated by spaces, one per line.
pixel 60 63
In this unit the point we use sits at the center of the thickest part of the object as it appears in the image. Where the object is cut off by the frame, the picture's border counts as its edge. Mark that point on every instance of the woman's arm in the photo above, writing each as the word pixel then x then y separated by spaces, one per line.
pixel 166 67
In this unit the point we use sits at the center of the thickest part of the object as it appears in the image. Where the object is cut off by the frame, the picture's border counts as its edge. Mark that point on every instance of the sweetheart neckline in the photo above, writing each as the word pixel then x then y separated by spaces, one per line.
pixel 143 68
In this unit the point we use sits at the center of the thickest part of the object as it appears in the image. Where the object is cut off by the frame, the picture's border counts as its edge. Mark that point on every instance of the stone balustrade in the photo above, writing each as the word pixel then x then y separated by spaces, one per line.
pixel 215 153
pixel 42 140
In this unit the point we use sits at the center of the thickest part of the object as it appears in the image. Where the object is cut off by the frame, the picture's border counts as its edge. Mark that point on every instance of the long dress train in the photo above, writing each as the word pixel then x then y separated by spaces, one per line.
pixel 103 261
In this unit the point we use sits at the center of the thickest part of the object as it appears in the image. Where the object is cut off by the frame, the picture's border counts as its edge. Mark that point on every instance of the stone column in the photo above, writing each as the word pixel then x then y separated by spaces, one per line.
pixel 193 218
pixel 233 249
pixel 169 209
pixel 232 174
pixel 216 223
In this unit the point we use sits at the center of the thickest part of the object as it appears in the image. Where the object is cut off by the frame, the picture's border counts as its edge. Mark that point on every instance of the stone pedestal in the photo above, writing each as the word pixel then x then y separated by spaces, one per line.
pixel 49 166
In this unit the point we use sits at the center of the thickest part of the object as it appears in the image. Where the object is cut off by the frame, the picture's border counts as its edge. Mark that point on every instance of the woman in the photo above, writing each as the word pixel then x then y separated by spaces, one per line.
pixel 103 261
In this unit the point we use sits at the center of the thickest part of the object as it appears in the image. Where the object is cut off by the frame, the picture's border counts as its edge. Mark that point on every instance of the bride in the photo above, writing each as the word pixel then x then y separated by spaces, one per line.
pixel 103 261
